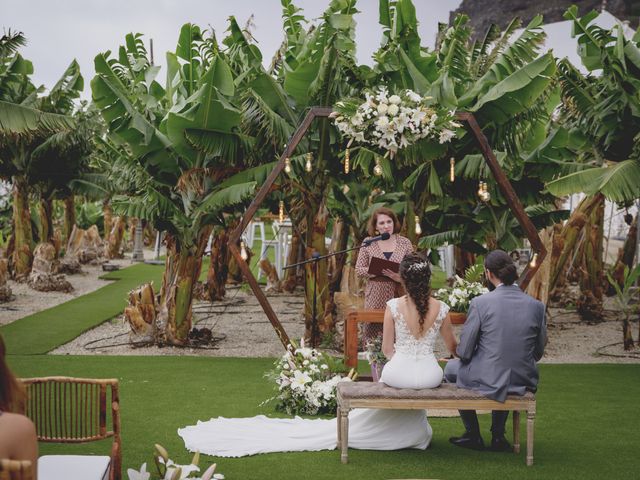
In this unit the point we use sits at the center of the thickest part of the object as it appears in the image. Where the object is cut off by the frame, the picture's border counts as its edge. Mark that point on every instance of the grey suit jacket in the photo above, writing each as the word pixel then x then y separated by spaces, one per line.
pixel 503 337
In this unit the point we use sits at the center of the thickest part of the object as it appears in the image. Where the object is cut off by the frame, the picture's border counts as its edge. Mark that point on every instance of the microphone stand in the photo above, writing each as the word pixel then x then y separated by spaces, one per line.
pixel 315 258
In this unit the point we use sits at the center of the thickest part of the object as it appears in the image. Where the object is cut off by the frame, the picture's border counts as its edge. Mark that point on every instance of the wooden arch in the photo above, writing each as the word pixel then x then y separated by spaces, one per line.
pixel 321 112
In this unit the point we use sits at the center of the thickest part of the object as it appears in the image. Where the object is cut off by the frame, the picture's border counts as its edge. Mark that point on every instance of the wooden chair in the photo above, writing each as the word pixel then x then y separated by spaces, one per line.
pixel 15 470
pixel 74 410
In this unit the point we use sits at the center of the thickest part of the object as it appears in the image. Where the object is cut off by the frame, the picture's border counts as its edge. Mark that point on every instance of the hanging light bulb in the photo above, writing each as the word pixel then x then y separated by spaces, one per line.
pixel 243 251
pixel 345 189
pixel 377 170
pixel 534 261
pixel 281 211
pixel 287 165
pixel 486 196
pixel 347 161
pixel 480 189
pixel 452 169
pixel 307 166
pixel 418 227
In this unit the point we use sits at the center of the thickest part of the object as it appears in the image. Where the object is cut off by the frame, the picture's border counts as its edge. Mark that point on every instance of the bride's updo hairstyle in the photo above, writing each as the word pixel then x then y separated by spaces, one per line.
pixel 501 265
pixel 416 276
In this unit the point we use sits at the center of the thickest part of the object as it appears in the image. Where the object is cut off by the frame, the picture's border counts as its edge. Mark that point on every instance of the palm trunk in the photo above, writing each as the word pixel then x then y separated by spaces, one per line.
pixel 463 260
pixel 107 214
pixel 627 337
pixel 22 257
pixel 182 270
pixel 592 274
pixel 409 224
pixel 114 241
pixel 219 266
pixel 569 238
pixel 625 255
pixel 45 210
pixel 316 282
pixel 339 241
pixel 69 217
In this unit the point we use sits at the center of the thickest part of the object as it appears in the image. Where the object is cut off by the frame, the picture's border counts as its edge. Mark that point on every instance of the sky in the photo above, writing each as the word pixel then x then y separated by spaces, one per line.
pixel 61 30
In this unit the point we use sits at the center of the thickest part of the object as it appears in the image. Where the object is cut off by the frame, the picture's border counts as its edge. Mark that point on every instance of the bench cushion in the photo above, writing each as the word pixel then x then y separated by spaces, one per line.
pixel 73 467
pixel 445 391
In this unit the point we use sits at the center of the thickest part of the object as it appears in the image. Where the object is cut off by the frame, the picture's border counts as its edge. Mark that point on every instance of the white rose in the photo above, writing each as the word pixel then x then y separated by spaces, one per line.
pixel 394 99
pixel 382 108
pixel 393 109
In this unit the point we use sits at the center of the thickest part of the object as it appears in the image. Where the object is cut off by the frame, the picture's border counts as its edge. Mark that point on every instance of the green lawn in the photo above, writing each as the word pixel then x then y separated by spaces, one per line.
pixel 46 330
pixel 586 425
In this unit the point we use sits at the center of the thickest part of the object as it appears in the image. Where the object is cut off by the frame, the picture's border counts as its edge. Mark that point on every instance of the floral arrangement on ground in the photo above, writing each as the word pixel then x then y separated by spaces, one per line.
pixel 306 380
pixel 394 121
pixel 168 470
pixel 460 294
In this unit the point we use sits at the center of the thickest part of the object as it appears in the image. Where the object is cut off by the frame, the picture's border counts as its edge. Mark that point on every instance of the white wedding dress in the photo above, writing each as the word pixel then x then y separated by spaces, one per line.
pixel 412 366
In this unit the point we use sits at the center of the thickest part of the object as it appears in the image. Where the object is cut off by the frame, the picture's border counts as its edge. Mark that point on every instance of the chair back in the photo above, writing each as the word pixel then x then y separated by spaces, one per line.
pixel 72 410
pixel 15 470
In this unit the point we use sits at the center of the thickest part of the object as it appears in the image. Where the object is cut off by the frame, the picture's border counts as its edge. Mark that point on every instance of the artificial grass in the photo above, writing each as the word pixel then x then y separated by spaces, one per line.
pixel 48 329
pixel 586 426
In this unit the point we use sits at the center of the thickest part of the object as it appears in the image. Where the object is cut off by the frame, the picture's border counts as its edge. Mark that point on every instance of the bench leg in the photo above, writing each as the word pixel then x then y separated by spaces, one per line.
pixel 344 435
pixel 530 419
pixel 338 424
pixel 516 431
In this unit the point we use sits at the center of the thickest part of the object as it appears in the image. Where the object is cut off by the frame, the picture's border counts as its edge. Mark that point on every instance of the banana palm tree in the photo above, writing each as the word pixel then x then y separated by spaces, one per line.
pixel 29 125
pixel 605 108
pixel 186 136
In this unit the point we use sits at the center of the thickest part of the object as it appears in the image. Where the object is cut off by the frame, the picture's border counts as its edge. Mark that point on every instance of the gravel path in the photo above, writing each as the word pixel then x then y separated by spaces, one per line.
pixel 242 329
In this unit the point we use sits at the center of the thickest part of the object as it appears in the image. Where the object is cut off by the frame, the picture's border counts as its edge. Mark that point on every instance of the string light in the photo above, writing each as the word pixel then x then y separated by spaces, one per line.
pixel 452 169
pixel 418 227
pixel 281 211
pixel 347 161
pixel 377 170
pixel 287 165
pixel 483 192
pixel 243 251
pixel 307 166
pixel 534 261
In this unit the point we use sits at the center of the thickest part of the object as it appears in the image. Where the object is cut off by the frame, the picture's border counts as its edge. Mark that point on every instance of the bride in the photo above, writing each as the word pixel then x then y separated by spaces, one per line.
pixel 411 326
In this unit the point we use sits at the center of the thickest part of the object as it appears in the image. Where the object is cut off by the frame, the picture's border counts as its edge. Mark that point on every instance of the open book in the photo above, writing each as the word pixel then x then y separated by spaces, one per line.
pixel 377 265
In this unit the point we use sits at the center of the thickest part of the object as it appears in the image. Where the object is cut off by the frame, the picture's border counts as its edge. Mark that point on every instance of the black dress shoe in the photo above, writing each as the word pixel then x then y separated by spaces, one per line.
pixel 500 444
pixel 468 440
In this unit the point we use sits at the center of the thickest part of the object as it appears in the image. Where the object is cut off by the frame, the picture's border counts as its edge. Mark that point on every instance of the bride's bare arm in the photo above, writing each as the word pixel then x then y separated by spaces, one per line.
pixel 446 330
pixel 388 334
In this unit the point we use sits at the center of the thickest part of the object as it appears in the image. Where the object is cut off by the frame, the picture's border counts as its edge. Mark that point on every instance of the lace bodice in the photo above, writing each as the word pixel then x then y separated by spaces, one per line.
pixel 406 343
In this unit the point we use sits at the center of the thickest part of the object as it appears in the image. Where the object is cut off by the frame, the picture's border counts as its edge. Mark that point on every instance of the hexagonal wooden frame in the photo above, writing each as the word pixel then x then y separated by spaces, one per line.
pixel 502 181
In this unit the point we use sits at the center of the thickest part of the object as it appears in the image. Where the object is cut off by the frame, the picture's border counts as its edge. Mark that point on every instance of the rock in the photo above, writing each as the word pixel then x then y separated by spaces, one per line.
pixel 45 264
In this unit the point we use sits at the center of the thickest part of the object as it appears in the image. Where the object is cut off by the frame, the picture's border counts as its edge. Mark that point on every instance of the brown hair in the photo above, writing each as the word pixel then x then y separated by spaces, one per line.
pixel 501 265
pixel 371 226
pixel 416 275
pixel 12 392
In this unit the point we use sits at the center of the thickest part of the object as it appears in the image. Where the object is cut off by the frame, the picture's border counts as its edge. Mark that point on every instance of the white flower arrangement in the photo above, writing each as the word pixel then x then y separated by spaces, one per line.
pixel 392 122
pixel 460 294
pixel 307 380
pixel 169 470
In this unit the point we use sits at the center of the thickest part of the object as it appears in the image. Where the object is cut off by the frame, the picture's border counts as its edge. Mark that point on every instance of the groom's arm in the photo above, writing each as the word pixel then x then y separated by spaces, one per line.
pixel 469 334
pixel 541 341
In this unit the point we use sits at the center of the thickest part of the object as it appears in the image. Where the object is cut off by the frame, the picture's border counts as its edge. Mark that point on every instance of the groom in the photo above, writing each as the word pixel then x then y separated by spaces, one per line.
pixel 501 341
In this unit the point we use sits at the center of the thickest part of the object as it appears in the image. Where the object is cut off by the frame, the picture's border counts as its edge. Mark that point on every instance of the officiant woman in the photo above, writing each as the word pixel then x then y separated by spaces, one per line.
pixel 381 288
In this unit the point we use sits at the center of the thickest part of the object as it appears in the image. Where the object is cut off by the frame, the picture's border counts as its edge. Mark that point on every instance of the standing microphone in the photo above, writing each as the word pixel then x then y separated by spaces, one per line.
pixel 369 241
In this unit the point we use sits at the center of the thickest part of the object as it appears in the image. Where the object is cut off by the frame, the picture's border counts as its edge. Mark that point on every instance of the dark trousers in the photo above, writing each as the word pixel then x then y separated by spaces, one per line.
pixel 469 417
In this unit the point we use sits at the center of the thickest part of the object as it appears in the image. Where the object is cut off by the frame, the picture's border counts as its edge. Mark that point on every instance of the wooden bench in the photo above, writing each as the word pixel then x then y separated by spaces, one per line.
pixel 351 332
pixel 447 396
